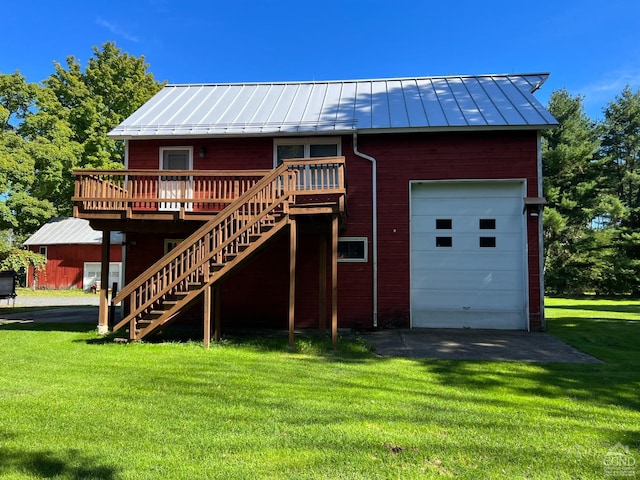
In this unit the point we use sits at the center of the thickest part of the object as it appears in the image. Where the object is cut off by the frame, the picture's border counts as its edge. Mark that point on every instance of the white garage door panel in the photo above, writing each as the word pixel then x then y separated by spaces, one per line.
pixel 481 280
pixel 462 300
pixel 467 319
pixel 473 189
pixel 462 207
pixel 424 260
pixel 505 223
pixel 466 285
pixel 507 242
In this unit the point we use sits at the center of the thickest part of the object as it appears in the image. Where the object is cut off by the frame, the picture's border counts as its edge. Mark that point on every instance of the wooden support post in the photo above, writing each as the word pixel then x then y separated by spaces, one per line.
pixel 103 313
pixel 292 277
pixel 217 310
pixel 207 316
pixel 322 286
pixel 334 282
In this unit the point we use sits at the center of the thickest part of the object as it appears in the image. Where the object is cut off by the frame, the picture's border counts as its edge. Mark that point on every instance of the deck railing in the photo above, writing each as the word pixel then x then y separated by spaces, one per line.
pixel 215 242
pixel 130 191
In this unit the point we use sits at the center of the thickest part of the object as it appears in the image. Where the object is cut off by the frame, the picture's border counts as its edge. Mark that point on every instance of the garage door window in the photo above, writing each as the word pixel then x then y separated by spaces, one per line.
pixel 487 242
pixel 444 241
pixel 444 224
pixel 487 224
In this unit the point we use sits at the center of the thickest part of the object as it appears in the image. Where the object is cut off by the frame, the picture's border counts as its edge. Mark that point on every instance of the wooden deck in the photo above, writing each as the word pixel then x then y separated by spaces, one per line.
pixel 196 194
pixel 243 212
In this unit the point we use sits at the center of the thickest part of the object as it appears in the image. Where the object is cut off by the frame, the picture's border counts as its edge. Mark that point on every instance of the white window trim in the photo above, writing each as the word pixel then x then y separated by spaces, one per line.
pixel 188 148
pixel 306 142
pixel 44 250
pixel 365 240
pixel 168 241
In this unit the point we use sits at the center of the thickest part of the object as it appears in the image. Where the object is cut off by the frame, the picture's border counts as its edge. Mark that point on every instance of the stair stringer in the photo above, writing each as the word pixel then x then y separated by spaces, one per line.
pixel 173 313
pixel 216 242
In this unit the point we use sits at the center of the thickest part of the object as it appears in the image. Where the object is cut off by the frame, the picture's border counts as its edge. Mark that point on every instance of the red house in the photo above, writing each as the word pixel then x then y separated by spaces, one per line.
pixel 369 203
pixel 73 249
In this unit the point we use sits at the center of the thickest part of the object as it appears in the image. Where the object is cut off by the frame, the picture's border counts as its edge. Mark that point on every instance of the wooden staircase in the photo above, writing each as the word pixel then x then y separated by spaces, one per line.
pixel 165 289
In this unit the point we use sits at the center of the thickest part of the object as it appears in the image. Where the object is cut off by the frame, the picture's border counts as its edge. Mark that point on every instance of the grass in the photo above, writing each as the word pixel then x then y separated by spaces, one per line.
pixel 74 406
pixel 71 292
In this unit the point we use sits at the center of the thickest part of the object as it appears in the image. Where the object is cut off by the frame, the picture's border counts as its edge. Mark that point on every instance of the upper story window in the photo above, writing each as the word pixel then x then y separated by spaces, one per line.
pixel 305 148
pixel 176 158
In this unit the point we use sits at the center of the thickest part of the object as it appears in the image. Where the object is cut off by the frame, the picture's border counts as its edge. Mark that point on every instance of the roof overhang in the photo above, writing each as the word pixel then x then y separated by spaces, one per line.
pixel 378 106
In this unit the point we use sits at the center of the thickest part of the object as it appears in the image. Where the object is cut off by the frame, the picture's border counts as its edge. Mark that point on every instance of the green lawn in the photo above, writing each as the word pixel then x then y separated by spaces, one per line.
pixel 72 406
pixel 71 292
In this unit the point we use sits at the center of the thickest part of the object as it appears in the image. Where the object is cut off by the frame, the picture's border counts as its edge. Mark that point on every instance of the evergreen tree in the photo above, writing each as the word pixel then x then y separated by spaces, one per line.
pixel 572 187
pixel 620 154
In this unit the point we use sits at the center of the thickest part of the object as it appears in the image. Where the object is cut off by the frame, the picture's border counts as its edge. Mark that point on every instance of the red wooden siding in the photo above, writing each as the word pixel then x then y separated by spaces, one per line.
pixel 450 156
pixel 259 291
pixel 65 264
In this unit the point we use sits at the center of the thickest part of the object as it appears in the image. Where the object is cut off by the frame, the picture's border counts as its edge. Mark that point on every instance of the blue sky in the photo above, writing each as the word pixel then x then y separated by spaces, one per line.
pixel 590 47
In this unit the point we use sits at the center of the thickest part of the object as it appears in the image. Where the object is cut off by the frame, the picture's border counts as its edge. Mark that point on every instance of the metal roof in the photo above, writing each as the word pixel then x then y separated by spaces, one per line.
pixel 366 106
pixel 69 231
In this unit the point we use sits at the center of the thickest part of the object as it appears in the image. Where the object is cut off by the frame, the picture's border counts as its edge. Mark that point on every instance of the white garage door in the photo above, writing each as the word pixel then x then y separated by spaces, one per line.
pixel 92 274
pixel 467 255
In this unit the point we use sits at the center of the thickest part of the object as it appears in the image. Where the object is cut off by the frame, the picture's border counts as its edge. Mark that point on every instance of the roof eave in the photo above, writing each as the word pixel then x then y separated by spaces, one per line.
pixel 362 131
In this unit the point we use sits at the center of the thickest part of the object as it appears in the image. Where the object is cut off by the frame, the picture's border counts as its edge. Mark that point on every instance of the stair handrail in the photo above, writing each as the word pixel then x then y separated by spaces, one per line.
pixel 207 227
pixel 187 262
pixel 195 266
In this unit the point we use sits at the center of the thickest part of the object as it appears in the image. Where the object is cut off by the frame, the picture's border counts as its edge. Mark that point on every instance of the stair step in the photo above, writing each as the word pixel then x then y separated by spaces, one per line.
pixel 194 285
pixel 216 267
pixel 143 323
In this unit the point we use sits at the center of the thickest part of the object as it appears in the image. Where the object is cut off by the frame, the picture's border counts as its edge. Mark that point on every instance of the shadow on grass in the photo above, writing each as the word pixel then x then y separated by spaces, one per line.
pixel 351 345
pixel 46 464
pixel 612 384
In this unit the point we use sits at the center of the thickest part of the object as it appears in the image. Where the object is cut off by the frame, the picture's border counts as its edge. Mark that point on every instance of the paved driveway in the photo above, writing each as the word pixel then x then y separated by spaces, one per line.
pixel 81 309
pixel 475 345
pixel 415 343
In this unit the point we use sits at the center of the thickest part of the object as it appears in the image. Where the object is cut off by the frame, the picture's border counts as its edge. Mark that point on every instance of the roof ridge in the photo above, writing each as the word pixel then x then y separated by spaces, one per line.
pixel 356 80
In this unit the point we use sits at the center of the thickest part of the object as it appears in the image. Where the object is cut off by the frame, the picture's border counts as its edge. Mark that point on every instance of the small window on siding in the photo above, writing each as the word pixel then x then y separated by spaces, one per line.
pixel 444 224
pixel 352 249
pixel 444 241
pixel 171 243
pixel 43 251
pixel 487 242
pixel 487 224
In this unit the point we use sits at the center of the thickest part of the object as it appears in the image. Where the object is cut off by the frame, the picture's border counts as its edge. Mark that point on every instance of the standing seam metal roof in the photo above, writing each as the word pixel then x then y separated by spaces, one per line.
pixel 420 103
pixel 70 230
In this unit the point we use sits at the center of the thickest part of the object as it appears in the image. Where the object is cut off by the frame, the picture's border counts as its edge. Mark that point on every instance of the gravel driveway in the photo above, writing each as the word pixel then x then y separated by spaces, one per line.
pixel 93 300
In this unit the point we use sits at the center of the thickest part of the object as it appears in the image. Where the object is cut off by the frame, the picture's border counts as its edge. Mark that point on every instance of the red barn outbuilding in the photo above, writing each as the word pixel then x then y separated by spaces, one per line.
pixel 363 204
pixel 73 251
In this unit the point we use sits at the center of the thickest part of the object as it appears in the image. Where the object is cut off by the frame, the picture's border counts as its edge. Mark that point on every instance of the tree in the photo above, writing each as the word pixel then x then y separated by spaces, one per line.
pixel 620 155
pixel 75 112
pixel 573 189
pixel 48 130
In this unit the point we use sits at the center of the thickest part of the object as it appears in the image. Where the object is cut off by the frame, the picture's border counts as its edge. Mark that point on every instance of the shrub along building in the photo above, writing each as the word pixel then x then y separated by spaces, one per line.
pixel 359 204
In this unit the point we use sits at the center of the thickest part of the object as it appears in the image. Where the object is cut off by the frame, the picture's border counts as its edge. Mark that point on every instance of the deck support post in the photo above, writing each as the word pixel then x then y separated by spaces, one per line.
pixel 322 283
pixel 216 312
pixel 293 237
pixel 207 316
pixel 103 312
pixel 334 282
